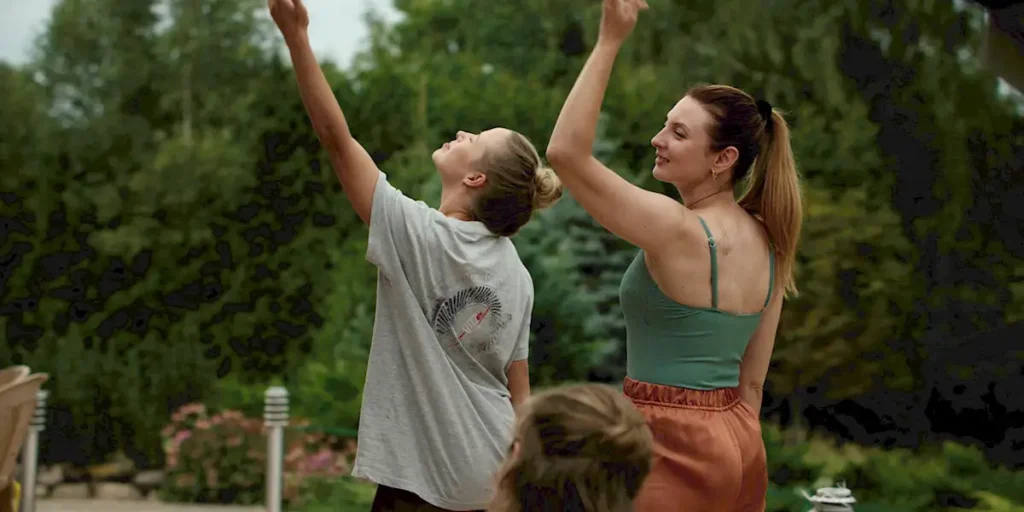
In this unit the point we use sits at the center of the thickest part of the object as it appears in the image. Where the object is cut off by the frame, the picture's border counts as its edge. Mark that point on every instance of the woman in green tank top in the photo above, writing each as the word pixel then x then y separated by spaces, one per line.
pixel 702 298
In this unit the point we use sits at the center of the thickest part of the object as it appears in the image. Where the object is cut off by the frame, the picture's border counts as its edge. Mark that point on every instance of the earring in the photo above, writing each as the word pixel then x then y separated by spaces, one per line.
pixel 714 175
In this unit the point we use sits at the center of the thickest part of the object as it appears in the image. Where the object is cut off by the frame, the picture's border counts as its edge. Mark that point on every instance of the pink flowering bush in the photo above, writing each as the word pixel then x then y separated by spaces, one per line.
pixel 221 457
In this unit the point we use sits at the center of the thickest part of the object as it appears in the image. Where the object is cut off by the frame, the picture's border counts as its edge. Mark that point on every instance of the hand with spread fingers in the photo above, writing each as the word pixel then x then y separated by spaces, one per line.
pixel 290 16
pixel 618 17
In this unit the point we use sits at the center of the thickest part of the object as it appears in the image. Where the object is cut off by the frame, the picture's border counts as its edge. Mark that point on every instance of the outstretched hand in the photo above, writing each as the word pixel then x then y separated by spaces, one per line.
pixel 618 17
pixel 290 16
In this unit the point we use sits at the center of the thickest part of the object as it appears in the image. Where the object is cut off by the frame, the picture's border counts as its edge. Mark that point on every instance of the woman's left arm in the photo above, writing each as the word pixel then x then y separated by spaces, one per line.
pixel 758 356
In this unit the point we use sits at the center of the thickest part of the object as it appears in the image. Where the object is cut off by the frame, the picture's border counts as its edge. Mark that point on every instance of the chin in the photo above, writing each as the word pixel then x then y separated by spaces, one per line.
pixel 661 174
pixel 438 158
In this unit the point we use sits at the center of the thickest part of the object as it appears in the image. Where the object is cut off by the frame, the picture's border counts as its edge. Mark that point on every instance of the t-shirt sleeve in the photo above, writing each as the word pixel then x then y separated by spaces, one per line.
pixel 400 229
pixel 522 348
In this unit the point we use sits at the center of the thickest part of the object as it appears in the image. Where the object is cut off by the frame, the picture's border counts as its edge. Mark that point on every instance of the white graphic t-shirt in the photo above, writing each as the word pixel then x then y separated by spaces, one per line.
pixel 453 311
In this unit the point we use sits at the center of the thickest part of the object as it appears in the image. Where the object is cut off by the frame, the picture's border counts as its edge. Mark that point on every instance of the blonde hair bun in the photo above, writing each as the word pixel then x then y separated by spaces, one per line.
pixel 549 188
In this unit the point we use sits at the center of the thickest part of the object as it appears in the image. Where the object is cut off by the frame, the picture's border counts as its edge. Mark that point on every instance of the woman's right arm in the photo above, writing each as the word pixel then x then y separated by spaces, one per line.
pixel 352 165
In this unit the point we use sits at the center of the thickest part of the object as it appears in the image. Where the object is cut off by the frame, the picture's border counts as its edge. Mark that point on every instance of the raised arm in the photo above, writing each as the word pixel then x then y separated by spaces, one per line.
pixel 352 165
pixel 643 218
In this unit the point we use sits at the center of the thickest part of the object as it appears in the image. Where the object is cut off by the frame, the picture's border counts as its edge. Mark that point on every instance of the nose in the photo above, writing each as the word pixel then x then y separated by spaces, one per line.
pixel 657 142
pixel 461 135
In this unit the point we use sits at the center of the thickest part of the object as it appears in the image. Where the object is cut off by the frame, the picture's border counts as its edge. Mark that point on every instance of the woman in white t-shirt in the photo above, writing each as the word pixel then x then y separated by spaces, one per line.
pixel 448 359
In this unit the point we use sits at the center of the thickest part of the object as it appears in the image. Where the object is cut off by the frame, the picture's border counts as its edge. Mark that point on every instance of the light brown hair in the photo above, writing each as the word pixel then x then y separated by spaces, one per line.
pixel 517 184
pixel 766 163
pixel 580 448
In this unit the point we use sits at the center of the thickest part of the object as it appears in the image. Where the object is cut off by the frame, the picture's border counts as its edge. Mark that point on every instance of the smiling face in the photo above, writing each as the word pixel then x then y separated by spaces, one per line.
pixel 684 155
pixel 457 161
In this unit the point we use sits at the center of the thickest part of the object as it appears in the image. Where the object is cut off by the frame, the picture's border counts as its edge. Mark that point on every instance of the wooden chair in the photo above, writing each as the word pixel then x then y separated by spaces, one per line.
pixel 13 373
pixel 7 376
pixel 17 406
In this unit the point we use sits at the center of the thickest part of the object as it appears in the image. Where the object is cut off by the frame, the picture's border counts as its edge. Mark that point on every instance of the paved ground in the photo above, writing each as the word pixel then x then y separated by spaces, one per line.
pixel 131 506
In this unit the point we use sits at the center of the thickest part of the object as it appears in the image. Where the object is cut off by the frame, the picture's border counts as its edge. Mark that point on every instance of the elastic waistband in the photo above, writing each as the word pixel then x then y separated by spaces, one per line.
pixel 670 396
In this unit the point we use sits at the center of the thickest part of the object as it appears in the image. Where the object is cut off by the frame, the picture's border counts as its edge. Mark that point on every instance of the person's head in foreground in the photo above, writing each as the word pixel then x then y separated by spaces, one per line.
pixel 495 177
pixel 579 448
pixel 717 136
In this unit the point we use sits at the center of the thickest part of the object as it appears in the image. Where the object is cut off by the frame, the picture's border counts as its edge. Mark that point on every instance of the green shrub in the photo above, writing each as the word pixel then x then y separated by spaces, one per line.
pixel 326 386
pixel 335 495
pixel 213 459
pixel 928 480
pixel 329 393
pixel 221 458
pixel 326 393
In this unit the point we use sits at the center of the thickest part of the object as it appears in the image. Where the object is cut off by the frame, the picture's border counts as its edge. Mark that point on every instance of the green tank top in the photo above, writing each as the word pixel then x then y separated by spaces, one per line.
pixel 684 346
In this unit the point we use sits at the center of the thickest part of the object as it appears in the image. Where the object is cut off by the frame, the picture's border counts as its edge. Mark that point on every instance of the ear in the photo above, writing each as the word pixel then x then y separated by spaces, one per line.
pixel 475 180
pixel 725 159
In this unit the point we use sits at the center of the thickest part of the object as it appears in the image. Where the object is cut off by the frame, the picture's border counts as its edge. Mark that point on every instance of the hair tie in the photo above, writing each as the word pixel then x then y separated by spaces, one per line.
pixel 765 109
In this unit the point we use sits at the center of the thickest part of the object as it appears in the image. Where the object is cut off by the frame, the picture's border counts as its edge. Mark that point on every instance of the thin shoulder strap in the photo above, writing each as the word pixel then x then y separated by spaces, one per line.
pixel 714 264
pixel 771 273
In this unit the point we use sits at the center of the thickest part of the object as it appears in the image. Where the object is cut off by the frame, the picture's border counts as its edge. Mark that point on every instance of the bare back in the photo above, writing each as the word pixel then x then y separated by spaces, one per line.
pixel 684 273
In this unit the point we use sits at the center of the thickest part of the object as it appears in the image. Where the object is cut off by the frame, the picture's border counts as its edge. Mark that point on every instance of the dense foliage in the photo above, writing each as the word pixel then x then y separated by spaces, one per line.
pixel 172 231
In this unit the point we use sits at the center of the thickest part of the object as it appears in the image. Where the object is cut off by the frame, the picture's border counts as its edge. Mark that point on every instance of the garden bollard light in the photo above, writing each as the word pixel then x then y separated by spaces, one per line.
pixel 275 419
pixel 832 499
pixel 30 453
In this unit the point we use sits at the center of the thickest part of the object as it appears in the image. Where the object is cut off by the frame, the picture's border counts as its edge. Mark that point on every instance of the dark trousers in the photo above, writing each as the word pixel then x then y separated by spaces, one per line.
pixel 389 499
pixel 7 497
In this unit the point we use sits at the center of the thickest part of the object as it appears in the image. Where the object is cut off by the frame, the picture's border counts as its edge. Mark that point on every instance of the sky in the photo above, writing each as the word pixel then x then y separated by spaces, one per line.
pixel 336 28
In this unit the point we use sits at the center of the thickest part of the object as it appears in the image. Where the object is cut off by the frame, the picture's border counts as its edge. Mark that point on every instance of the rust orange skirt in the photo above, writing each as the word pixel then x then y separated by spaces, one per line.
pixel 708 452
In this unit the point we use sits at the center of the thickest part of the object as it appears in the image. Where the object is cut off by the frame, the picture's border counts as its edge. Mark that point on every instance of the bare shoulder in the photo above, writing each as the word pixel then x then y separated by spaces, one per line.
pixel 691 232
pixel 684 234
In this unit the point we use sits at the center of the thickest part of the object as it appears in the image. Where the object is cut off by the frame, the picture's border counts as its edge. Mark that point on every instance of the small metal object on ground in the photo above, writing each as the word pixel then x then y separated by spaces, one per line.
pixel 832 499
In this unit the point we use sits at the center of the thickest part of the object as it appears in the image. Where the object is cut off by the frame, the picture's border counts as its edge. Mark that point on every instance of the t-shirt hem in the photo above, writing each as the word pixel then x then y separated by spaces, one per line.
pixel 374 475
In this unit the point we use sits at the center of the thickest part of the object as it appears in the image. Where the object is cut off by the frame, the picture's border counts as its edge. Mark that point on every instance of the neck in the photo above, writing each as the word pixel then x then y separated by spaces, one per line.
pixel 453 205
pixel 705 193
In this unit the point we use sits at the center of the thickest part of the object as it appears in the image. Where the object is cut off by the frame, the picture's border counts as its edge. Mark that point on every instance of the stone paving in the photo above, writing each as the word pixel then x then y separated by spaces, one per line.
pixel 132 506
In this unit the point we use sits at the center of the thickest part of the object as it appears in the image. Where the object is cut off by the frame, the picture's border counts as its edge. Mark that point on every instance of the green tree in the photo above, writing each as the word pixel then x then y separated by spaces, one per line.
pixel 181 229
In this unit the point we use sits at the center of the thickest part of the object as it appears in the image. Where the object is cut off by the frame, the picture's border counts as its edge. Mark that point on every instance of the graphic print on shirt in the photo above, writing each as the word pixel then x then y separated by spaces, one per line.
pixel 471 318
